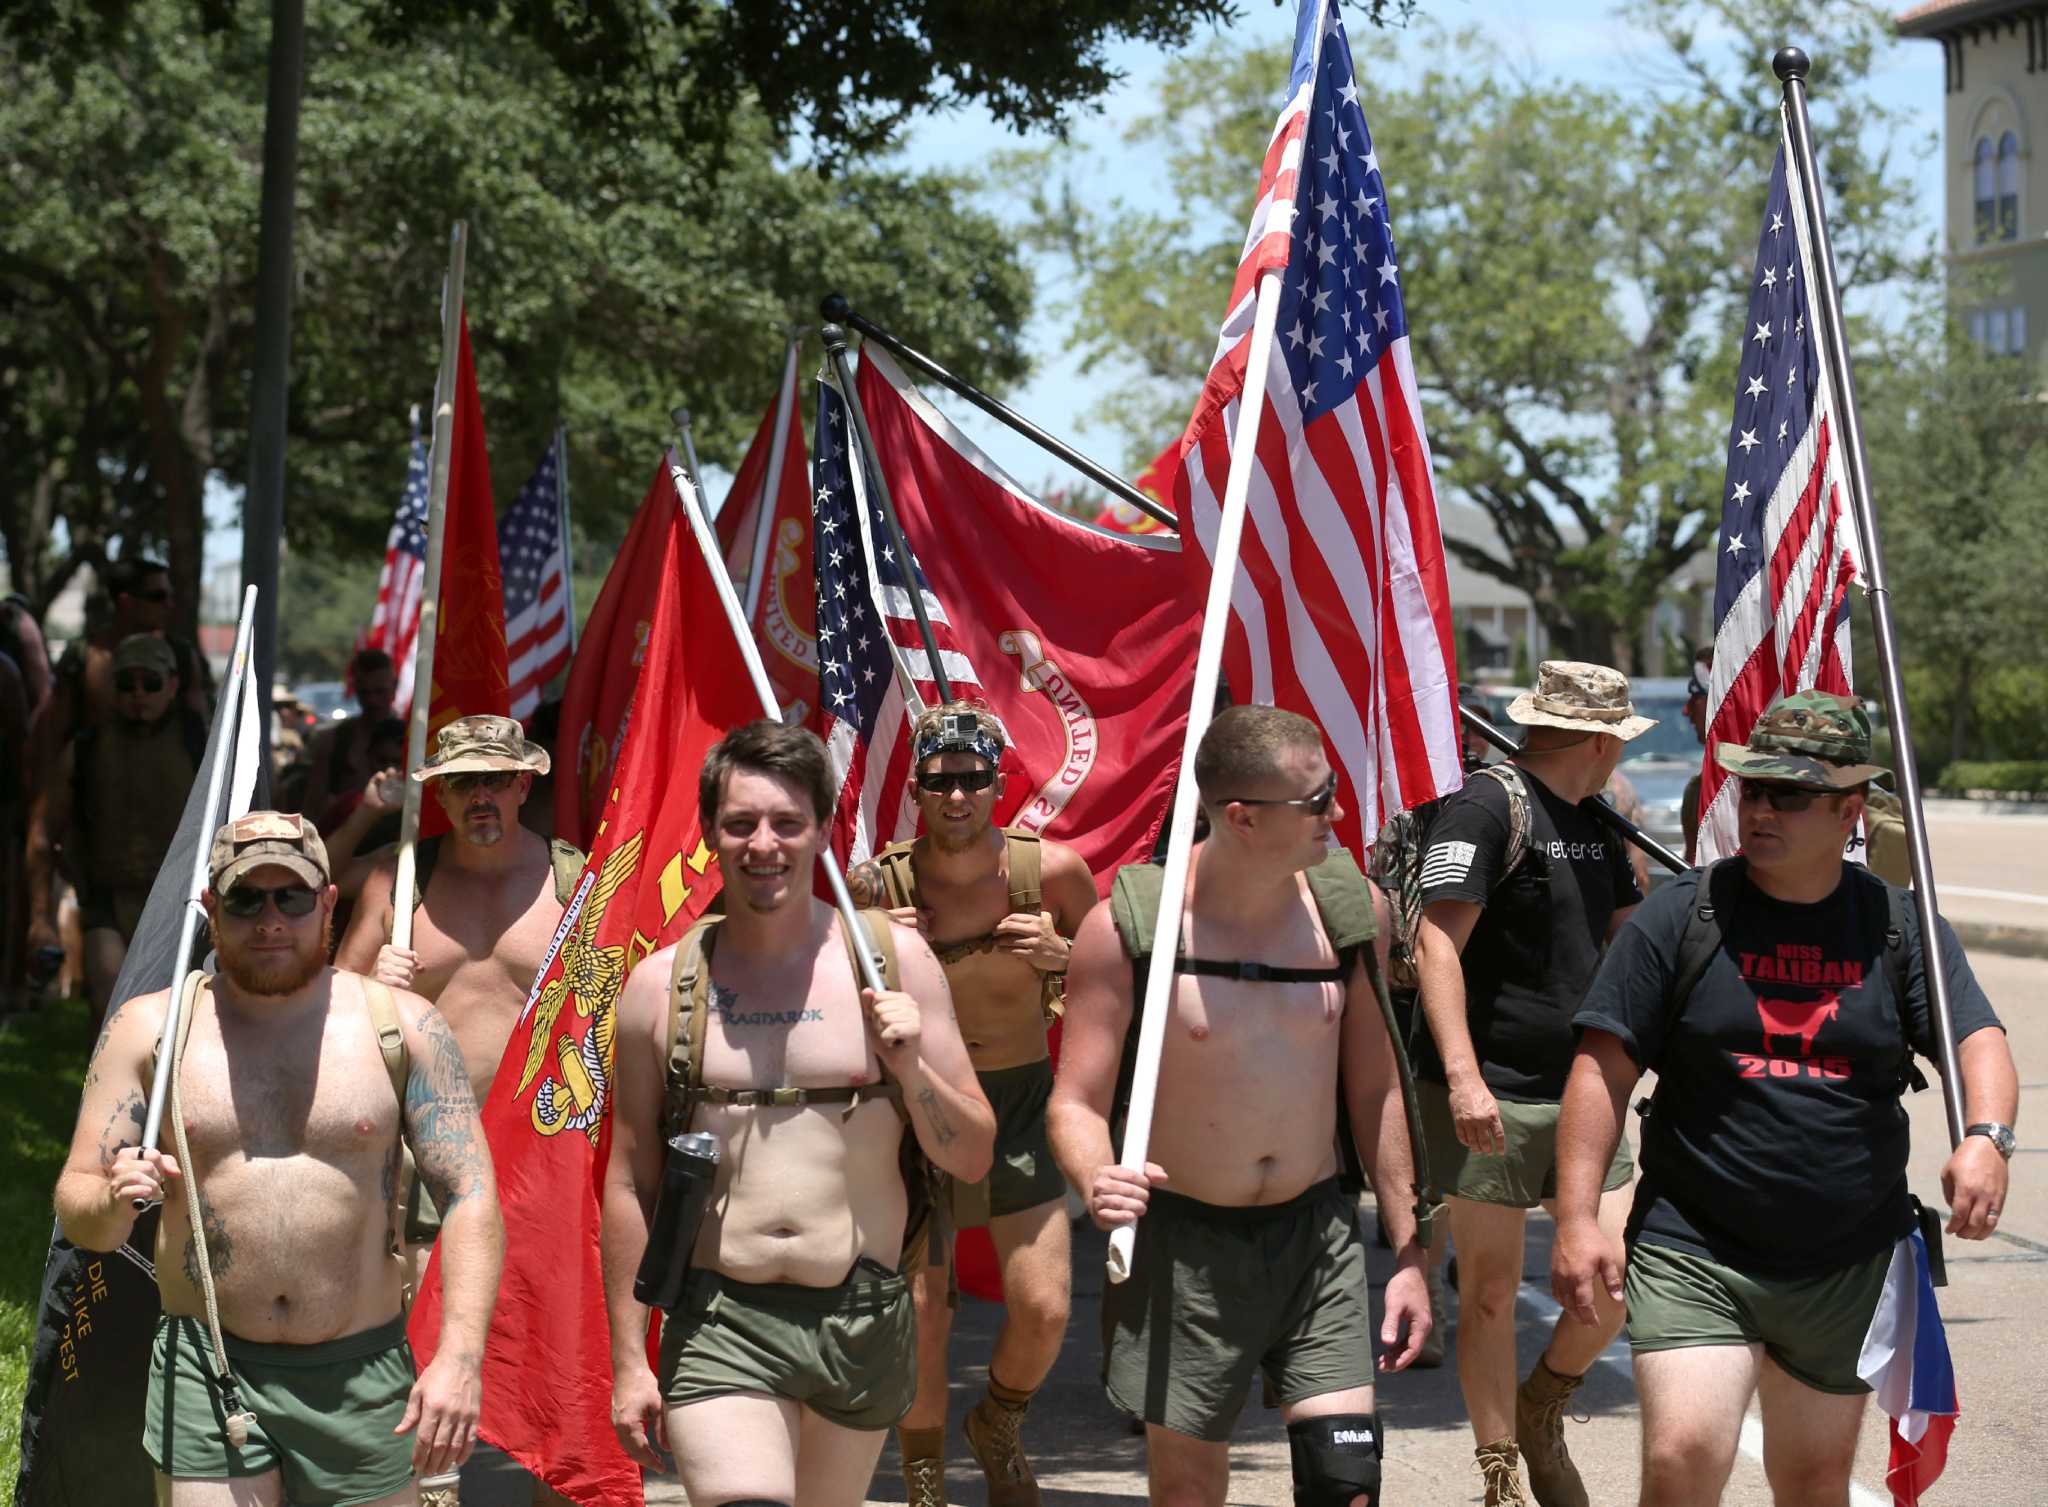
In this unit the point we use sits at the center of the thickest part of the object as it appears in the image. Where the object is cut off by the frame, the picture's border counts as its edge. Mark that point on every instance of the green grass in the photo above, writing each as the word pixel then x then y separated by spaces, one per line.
pixel 42 1064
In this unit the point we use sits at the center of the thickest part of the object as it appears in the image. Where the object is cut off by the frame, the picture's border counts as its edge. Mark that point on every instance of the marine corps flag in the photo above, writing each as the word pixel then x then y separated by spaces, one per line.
pixel 599 693
pixel 547 1367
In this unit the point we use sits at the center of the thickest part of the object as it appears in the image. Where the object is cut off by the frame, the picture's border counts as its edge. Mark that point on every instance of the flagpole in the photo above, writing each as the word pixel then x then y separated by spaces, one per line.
pixel 771 484
pixel 1201 710
pixel 404 884
pixel 842 371
pixel 836 309
pixel 230 709
pixel 1791 66
pixel 771 707
pixel 1601 809
pixel 562 514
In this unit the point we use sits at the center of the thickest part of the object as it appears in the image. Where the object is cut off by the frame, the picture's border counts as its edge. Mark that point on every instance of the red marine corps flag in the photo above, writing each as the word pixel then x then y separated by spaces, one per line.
pixel 547 1367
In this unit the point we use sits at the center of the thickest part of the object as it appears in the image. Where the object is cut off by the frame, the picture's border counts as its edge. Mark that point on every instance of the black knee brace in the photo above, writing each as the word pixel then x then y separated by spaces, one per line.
pixel 1336 1460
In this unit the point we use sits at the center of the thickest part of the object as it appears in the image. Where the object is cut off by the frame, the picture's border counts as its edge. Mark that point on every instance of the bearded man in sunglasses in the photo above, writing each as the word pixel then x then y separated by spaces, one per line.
pixel 286 1136
pixel 108 811
pixel 1000 909
pixel 1779 996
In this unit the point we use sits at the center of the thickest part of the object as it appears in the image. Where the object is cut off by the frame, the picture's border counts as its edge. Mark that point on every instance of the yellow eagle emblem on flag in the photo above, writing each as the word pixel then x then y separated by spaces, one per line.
pixel 573 1097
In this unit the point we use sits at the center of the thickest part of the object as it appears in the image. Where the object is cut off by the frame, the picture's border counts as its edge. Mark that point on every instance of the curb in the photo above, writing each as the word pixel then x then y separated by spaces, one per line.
pixel 2015 941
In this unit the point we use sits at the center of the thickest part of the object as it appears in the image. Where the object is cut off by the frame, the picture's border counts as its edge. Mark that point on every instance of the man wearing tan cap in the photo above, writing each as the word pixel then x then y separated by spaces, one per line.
pixel 489 896
pixel 110 807
pixel 281 1369
pixel 1522 885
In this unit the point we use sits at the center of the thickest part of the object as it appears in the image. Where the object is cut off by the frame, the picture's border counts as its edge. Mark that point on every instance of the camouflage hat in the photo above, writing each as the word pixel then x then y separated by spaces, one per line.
pixel 1808 738
pixel 262 838
pixel 1581 698
pixel 483 745
pixel 145 651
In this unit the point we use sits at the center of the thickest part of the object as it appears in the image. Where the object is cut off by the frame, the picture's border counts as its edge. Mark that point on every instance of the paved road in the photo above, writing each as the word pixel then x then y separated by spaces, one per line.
pixel 1994 1305
pixel 1990 868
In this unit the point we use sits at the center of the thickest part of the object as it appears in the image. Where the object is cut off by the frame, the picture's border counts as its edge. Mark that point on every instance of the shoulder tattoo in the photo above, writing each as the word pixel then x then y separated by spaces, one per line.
pixel 441 1116
pixel 864 885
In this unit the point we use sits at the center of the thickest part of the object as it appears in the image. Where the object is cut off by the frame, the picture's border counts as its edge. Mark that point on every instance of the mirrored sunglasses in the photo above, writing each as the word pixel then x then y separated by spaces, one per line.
pixel 494 781
pixel 1315 804
pixel 245 902
pixel 940 781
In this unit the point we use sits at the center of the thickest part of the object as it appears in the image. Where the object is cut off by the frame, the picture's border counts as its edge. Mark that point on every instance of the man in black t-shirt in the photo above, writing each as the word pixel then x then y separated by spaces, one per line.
pixel 1774 1153
pixel 1522 884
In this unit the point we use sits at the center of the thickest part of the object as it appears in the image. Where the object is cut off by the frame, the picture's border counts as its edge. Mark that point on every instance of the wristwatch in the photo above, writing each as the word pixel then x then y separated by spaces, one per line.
pixel 2000 1136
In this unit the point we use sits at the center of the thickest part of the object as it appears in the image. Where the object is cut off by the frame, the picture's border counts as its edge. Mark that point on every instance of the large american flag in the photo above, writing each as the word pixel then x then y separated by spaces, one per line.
pixel 395 620
pixel 1341 610
pixel 1787 547
pixel 868 643
pixel 533 552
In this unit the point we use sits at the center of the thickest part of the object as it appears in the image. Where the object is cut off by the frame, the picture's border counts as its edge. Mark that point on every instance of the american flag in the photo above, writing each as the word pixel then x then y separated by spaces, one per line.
pixel 534 554
pixel 395 620
pixel 866 630
pixel 1342 608
pixel 1787 550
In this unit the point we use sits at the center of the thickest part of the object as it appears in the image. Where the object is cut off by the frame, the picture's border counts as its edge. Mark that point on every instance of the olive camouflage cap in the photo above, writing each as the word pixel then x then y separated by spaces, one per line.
pixel 145 651
pixel 481 745
pixel 1810 738
pixel 262 838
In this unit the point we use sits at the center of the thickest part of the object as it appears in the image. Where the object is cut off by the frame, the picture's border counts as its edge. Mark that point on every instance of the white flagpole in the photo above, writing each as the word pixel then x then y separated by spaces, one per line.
pixel 405 882
pixel 771 484
pixel 562 513
pixel 1158 1003
pixel 743 635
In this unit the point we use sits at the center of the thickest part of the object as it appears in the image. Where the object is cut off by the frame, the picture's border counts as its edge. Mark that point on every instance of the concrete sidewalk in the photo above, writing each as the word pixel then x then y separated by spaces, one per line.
pixel 1991 873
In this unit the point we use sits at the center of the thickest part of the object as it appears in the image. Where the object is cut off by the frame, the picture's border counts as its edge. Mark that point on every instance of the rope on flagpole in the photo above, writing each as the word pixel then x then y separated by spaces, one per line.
pixel 771 483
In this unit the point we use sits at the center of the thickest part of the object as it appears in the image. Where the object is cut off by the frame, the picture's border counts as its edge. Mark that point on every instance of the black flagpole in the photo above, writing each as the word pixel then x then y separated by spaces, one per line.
pixel 1791 66
pixel 836 310
pixel 835 352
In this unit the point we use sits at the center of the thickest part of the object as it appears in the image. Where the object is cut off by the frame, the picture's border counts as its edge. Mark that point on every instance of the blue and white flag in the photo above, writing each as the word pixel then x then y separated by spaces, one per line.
pixel 1905 1362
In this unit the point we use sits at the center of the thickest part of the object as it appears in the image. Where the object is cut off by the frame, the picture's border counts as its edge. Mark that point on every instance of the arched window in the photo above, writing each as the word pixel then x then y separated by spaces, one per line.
pixel 2009 187
pixel 1984 187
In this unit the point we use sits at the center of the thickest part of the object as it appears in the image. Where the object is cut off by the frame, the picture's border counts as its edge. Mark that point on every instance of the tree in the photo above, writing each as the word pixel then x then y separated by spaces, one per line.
pixel 604 284
pixel 1574 262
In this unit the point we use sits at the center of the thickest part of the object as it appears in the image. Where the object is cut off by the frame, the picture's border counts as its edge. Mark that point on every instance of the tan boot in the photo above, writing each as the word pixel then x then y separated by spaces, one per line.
pixel 1496 1466
pixel 1540 1404
pixel 924 1466
pixel 1437 1346
pixel 992 1431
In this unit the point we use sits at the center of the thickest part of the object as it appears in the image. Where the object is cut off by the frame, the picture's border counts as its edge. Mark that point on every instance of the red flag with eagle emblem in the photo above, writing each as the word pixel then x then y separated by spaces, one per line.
pixel 547 1366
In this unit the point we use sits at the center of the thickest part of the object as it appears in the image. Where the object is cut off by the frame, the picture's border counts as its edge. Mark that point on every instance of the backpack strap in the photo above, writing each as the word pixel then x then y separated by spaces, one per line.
pixel 377 999
pixel 899 878
pixel 1701 938
pixel 1896 974
pixel 425 852
pixel 1511 779
pixel 567 860
pixel 1025 859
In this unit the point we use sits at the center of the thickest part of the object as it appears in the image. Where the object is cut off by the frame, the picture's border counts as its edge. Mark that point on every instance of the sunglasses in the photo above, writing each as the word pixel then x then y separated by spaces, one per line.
pixel 496 781
pixel 940 781
pixel 1783 797
pixel 139 680
pixel 245 901
pixel 1314 805
pixel 156 594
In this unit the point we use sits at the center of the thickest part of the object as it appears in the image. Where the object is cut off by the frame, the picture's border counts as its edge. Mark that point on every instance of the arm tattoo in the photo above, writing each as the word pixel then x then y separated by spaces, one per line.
pixel 864 885
pixel 942 1128
pixel 441 1117
pixel 131 1111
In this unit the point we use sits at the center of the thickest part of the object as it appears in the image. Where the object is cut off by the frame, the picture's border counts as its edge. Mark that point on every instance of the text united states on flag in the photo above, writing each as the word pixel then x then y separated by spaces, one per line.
pixel 865 629
pixel 1341 610
pixel 1787 549
pixel 533 552
pixel 395 620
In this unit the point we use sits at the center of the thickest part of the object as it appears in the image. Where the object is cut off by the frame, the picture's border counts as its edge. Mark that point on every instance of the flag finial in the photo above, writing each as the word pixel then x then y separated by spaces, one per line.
pixel 834 308
pixel 1791 63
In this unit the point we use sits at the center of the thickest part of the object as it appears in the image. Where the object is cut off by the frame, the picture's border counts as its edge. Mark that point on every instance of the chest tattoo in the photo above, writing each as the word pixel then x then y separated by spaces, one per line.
pixel 725 1008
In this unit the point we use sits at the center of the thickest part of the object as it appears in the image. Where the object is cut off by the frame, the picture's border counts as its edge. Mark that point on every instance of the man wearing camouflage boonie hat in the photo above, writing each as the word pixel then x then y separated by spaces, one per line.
pixel 1779 997
pixel 489 895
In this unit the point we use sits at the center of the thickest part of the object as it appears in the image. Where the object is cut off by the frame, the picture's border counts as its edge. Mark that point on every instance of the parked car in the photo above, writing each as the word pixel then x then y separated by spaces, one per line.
pixel 327 700
pixel 1662 760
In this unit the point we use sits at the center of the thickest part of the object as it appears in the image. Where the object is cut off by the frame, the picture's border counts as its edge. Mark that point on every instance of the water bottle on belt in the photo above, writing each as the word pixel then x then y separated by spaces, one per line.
pixel 687 1181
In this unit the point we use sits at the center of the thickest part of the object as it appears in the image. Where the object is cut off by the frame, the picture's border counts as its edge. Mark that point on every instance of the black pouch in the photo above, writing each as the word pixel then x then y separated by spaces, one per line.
pixel 1930 1231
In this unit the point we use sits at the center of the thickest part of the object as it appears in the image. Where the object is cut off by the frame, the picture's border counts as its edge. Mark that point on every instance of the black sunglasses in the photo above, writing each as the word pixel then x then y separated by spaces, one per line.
pixel 245 901
pixel 495 781
pixel 139 680
pixel 154 594
pixel 939 781
pixel 1314 805
pixel 1783 797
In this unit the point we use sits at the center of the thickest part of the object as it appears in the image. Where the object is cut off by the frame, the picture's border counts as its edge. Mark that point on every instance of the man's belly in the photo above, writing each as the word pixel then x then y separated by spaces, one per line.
pixel 1231 1136
pixel 299 1250
pixel 481 1002
pixel 803 1193
pixel 999 1001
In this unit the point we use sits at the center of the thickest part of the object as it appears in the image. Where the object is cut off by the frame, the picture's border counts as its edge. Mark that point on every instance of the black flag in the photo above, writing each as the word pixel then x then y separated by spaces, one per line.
pixel 88 1379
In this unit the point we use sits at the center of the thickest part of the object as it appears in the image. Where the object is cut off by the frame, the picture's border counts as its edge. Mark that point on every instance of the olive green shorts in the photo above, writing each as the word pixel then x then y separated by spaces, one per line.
pixel 1024 1175
pixel 1813 1327
pixel 1219 1295
pixel 324 1413
pixel 1521 1177
pixel 848 1353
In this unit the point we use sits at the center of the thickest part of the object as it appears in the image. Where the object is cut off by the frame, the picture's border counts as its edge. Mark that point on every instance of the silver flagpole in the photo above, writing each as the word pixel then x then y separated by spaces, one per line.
pixel 562 513
pixel 1791 66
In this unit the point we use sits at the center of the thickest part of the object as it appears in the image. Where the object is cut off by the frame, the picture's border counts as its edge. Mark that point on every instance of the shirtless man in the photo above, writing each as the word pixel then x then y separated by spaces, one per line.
pixel 489 902
pixel 293 1127
pixel 1253 1261
pixel 342 753
pixel 956 885
pixel 792 1350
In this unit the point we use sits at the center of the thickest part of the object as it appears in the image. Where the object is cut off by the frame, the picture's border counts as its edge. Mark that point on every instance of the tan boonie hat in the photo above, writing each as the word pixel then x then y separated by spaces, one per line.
pixel 266 837
pixel 1808 738
pixel 481 745
pixel 1581 698
pixel 145 651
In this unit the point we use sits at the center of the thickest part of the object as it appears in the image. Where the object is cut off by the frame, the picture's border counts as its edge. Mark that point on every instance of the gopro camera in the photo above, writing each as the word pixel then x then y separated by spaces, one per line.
pixel 959 729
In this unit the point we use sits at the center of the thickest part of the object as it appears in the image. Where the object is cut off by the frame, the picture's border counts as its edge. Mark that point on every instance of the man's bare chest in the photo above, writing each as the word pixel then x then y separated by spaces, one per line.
pixel 501 925
pixel 277 1095
pixel 787 1031
pixel 957 912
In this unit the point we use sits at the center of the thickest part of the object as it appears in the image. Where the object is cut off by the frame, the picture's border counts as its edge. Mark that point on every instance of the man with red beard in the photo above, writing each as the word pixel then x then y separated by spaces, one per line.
pixel 288 1132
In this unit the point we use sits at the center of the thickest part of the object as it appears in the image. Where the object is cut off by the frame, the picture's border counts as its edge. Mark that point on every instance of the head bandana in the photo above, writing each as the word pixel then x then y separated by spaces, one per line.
pixel 959 732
